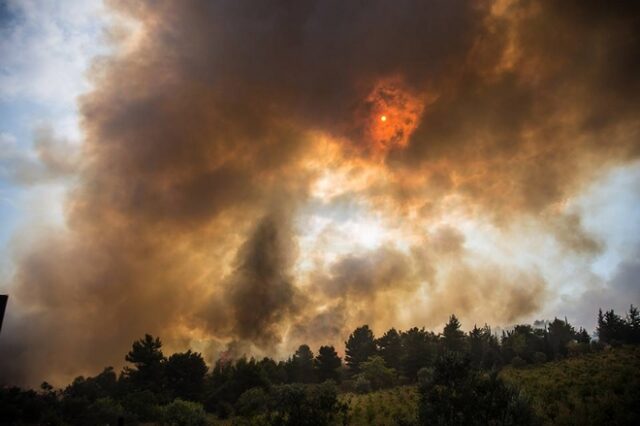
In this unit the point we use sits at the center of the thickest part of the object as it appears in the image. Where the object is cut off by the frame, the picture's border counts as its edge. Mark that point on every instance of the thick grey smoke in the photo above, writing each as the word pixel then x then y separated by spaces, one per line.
pixel 195 130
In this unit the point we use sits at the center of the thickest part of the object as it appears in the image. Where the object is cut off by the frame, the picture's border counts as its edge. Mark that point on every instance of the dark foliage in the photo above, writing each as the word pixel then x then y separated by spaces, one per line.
pixel 359 347
pixel 185 373
pixel 390 348
pixel 613 329
pixel 457 394
pixel 327 364
pixel 456 373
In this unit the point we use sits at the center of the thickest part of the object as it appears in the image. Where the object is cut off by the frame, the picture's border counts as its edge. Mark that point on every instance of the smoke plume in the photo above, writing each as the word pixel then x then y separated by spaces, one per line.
pixel 221 137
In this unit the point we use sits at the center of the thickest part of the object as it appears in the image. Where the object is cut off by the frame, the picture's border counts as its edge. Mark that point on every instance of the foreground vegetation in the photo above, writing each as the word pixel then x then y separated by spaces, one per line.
pixel 600 388
pixel 386 407
pixel 403 377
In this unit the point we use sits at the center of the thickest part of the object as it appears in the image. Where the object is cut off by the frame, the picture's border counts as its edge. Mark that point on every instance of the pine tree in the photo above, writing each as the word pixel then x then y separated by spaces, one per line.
pixel 390 348
pixel 302 365
pixel 633 325
pixel 453 337
pixel 359 347
pixel 327 363
pixel 147 358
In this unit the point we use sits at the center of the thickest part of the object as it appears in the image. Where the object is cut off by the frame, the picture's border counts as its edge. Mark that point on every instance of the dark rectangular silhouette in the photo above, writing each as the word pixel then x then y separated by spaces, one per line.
pixel 3 305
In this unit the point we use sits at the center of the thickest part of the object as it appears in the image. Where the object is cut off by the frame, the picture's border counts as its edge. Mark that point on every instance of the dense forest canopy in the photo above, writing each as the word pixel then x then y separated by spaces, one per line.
pixel 453 369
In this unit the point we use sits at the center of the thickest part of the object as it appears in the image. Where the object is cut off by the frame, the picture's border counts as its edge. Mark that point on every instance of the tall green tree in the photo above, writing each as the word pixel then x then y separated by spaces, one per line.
pixel 185 374
pixel 454 394
pixel 418 350
pixel 327 364
pixel 302 365
pixel 453 337
pixel 390 348
pixel 522 341
pixel 147 359
pixel 582 336
pixel 484 348
pixel 375 371
pixel 359 347
pixel 559 334
pixel 633 325
pixel 611 327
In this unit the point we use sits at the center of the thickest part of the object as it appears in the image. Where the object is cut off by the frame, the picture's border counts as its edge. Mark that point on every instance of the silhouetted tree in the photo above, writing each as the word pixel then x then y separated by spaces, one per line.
pixel 185 374
pixel 275 372
pixel 582 336
pixel 359 347
pixel 147 358
pixel 327 363
pixel 228 381
pixel 101 386
pixel 301 365
pixel 559 334
pixel 452 337
pixel 484 348
pixel 311 405
pixel 377 373
pixel 455 394
pixel 522 342
pixel 418 350
pixel 633 326
pixel 611 327
pixel 390 348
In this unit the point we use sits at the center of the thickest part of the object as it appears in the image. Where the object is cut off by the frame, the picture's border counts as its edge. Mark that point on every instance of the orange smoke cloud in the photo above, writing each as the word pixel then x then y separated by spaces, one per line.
pixel 392 113
pixel 238 188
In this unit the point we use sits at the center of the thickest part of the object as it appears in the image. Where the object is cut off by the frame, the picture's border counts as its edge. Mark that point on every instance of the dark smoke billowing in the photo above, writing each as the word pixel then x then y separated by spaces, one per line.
pixel 217 111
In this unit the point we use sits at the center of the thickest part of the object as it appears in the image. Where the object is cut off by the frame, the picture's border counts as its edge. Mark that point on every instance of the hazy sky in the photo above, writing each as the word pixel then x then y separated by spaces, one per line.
pixel 249 176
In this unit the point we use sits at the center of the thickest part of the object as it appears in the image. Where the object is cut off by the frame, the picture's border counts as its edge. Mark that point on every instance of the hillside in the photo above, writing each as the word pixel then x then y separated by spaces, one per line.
pixel 387 407
pixel 593 389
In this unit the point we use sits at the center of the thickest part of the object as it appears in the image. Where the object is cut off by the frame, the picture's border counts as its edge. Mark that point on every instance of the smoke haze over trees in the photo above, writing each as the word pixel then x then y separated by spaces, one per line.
pixel 457 375
pixel 238 191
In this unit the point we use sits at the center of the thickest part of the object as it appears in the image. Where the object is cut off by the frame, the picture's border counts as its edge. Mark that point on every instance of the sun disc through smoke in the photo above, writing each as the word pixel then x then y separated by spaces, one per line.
pixel 383 118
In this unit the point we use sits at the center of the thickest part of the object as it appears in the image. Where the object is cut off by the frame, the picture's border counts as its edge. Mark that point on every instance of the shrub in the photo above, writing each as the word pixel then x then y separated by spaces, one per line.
pixel 425 374
pixel 105 411
pixel 362 385
pixel 459 395
pixel 184 413
pixel 518 362
pixel 252 402
pixel 575 348
pixel 302 405
pixel 143 405
pixel 377 373
pixel 539 358
pixel 348 385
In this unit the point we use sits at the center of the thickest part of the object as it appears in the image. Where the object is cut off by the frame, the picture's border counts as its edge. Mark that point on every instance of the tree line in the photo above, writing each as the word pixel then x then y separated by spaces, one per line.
pixel 456 372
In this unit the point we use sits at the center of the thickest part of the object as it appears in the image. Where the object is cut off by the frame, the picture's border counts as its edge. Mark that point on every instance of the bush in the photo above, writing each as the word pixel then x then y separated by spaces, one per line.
pixel 143 405
pixel 301 405
pixel 518 362
pixel 184 413
pixel 425 374
pixel 459 395
pixel 575 348
pixel 348 385
pixel 377 373
pixel 105 411
pixel 223 410
pixel 539 358
pixel 252 402
pixel 362 385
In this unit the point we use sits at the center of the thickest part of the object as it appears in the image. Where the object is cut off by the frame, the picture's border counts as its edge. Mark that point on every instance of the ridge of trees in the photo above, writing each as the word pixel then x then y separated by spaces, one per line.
pixel 159 388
